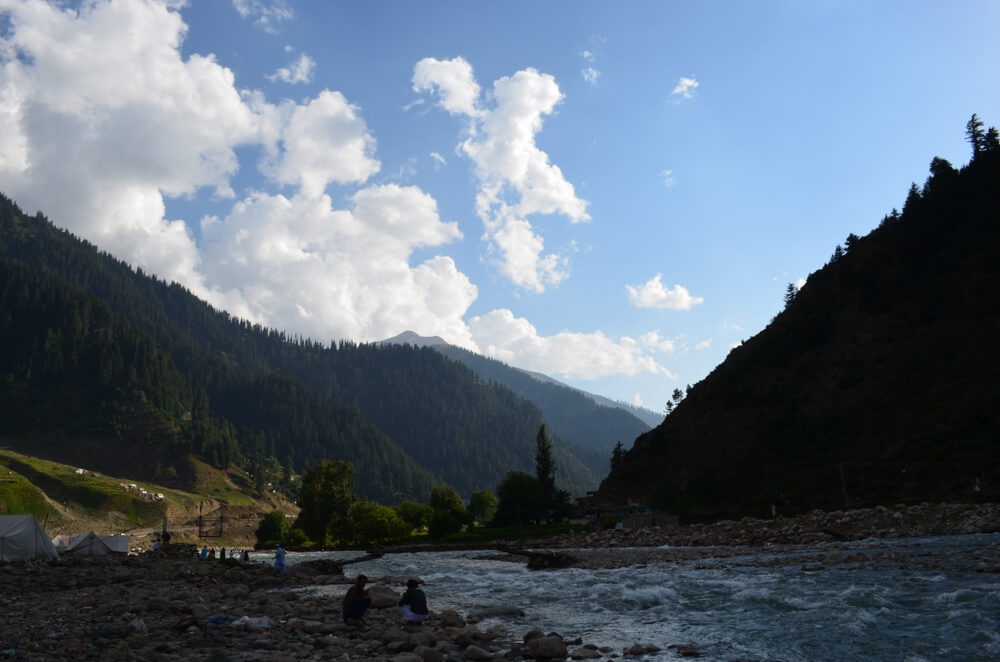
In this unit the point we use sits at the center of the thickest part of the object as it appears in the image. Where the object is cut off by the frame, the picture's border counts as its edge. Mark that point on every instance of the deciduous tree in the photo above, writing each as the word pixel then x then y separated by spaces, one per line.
pixel 326 497
pixel 482 506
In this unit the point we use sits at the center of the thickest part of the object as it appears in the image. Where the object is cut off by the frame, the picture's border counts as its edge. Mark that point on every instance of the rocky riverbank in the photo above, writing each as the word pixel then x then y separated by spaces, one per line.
pixel 901 521
pixel 166 606
pixel 796 541
pixel 161 607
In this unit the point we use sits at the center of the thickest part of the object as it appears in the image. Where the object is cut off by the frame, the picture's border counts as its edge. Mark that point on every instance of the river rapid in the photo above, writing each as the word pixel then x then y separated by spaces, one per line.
pixel 764 605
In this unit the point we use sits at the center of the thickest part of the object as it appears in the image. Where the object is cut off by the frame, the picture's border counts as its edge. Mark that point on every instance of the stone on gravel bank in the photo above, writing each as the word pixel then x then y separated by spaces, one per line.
pixel 162 609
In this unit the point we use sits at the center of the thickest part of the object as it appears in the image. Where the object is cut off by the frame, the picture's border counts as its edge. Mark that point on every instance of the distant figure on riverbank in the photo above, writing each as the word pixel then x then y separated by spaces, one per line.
pixel 279 561
pixel 246 557
pixel 356 600
pixel 204 552
pixel 413 604
pixel 211 554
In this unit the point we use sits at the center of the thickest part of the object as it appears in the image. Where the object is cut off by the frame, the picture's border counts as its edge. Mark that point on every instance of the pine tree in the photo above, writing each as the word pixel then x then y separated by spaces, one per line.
pixel 992 141
pixel 545 468
pixel 616 455
pixel 975 135
pixel 790 293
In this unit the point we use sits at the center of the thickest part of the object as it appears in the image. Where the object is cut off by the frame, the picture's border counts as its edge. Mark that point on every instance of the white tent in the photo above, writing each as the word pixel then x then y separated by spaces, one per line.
pixel 89 544
pixel 61 542
pixel 23 539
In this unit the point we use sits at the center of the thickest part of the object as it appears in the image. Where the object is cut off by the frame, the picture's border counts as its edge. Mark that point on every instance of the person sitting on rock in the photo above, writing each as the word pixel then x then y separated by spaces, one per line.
pixel 413 604
pixel 356 600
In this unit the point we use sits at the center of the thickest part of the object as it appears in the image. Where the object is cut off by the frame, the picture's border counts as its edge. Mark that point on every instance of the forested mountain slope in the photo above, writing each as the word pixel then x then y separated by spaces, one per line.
pixel 569 413
pixel 406 418
pixel 877 384
pixel 588 429
pixel 83 382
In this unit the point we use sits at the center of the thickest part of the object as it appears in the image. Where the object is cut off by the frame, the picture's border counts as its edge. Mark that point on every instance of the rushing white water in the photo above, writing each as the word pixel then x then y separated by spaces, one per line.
pixel 748 610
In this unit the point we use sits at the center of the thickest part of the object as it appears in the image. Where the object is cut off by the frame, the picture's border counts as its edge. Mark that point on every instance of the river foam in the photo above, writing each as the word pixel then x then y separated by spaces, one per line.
pixel 761 612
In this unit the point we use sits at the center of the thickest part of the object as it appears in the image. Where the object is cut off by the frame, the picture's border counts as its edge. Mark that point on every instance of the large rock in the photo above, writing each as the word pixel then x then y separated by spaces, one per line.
pixel 546 647
pixel 383 597
pixel 494 611
pixel 407 657
pixel 429 654
pixel 451 619
pixel 477 653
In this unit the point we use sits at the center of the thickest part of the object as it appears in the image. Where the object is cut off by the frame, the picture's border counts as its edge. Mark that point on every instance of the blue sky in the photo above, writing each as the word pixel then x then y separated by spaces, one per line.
pixel 612 193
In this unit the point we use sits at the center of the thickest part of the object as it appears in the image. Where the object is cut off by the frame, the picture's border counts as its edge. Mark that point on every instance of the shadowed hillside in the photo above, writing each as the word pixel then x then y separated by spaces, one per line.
pixel 97 353
pixel 877 384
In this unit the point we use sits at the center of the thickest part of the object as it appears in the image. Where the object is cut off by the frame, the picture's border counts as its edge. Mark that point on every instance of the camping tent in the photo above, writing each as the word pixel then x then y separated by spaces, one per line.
pixel 89 544
pixel 23 539
pixel 117 543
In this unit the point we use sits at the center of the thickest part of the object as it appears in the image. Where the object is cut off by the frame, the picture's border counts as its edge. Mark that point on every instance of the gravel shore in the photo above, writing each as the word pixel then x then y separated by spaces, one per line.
pixel 814 540
pixel 166 606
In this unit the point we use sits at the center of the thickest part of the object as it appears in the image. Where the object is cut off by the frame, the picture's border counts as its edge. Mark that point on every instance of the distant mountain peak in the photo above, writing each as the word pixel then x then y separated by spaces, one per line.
pixel 412 338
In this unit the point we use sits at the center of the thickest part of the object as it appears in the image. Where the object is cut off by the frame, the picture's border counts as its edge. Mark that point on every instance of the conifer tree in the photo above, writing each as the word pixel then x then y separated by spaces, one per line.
pixel 545 468
pixel 975 135
pixel 616 455
pixel 790 293
pixel 992 140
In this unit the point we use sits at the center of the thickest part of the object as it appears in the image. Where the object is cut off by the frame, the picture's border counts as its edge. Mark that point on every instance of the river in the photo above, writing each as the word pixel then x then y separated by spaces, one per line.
pixel 755 607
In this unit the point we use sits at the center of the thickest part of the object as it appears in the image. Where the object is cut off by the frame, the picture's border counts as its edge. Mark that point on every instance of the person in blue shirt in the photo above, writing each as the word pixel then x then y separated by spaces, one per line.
pixel 204 552
pixel 279 561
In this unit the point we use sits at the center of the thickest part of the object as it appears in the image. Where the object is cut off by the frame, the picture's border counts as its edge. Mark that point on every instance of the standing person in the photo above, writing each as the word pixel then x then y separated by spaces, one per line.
pixel 413 604
pixel 246 557
pixel 222 554
pixel 356 600
pixel 279 561
pixel 204 552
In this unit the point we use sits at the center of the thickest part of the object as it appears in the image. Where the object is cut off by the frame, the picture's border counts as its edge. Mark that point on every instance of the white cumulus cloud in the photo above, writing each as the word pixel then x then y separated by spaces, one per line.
pixel 266 13
pixel 342 269
pixel 325 141
pixel 452 81
pixel 572 355
pixel 685 88
pixel 653 294
pixel 516 178
pixel 655 341
pixel 300 71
